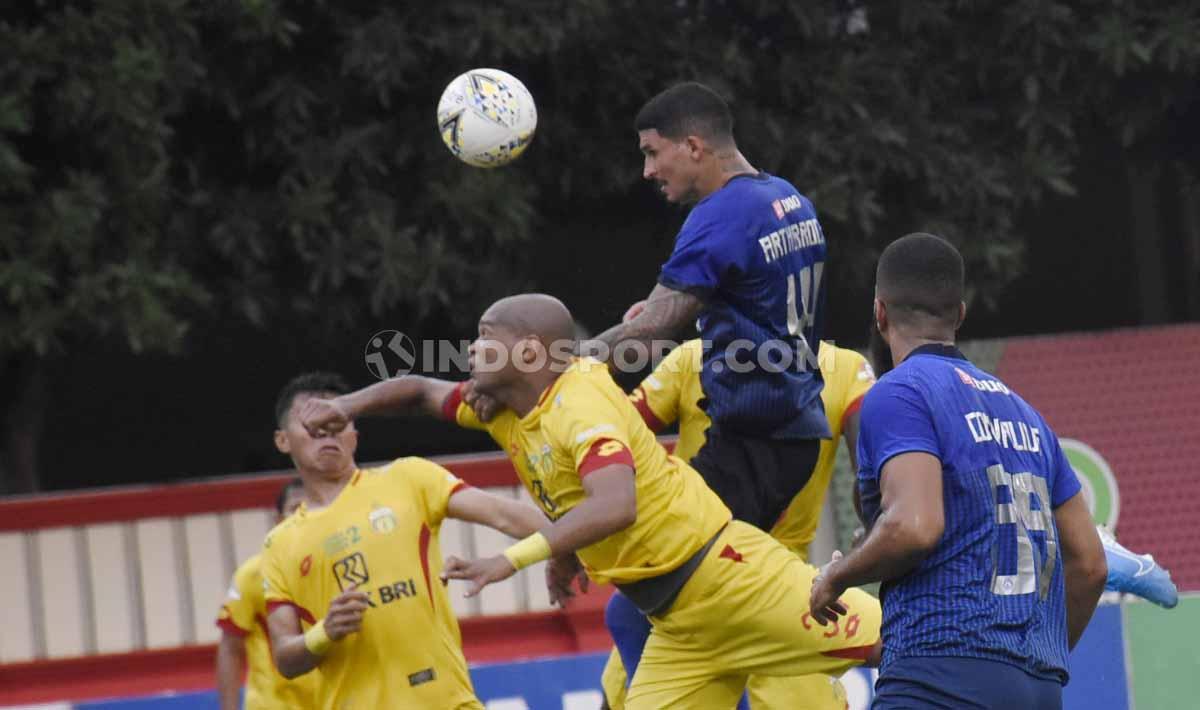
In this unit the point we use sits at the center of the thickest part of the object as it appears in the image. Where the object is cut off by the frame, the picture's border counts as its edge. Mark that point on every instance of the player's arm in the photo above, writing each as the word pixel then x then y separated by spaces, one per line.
pixel 909 526
pixel 664 313
pixel 1084 566
pixel 231 668
pixel 411 394
pixel 850 435
pixel 297 652
pixel 509 516
pixel 610 506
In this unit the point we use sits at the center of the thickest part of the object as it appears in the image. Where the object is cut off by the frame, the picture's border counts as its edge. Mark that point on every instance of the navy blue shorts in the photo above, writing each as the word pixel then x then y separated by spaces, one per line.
pixel 963 684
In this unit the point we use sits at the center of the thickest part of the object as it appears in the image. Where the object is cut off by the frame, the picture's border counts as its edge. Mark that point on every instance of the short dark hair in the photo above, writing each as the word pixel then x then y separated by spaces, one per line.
pixel 687 109
pixel 288 487
pixel 308 383
pixel 921 274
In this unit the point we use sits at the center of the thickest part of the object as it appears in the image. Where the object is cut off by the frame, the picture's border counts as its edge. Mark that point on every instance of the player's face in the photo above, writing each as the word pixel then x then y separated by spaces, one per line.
pixel 490 356
pixel 669 164
pixel 328 453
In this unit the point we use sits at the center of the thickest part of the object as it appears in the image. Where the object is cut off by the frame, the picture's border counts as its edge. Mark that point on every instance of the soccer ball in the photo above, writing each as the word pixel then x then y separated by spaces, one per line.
pixel 486 117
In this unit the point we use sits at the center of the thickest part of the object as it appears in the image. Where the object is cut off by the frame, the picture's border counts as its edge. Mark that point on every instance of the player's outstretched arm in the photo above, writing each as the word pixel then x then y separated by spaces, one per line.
pixel 231 668
pixel 909 526
pixel 511 517
pixel 609 507
pixel 411 394
pixel 662 315
pixel 298 653
pixel 1084 564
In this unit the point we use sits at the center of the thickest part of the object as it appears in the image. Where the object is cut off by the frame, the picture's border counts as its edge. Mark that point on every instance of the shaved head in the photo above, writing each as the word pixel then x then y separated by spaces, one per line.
pixel 534 314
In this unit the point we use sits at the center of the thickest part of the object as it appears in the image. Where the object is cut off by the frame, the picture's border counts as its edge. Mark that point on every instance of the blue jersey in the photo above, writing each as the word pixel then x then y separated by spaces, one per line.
pixel 755 253
pixel 993 586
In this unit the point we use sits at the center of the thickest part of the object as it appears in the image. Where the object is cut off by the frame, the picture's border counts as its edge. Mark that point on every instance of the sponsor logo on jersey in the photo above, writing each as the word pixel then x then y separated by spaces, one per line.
pixel 305 565
pixel 787 204
pixel 351 571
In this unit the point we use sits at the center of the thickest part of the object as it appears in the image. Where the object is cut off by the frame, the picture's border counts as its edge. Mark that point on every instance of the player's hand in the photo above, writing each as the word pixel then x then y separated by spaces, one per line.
pixel 634 311
pixel 823 602
pixel 560 571
pixel 480 573
pixel 346 614
pixel 322 416
pixel 485 407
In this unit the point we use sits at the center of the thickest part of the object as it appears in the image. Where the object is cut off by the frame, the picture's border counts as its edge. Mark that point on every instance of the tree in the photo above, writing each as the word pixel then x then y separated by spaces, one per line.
pixel 164 164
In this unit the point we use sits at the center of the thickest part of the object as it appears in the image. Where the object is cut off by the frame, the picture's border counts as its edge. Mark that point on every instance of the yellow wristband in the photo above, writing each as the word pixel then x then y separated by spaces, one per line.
pixel 316 640
pixel 531 550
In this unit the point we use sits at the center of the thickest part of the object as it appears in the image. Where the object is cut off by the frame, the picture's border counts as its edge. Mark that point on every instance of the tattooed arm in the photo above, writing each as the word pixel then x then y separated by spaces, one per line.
pixel 664 314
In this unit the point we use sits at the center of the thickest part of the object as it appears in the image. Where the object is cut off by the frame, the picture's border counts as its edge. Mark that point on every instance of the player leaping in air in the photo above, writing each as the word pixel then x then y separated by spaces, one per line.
pixel 726 600
pixel 364 546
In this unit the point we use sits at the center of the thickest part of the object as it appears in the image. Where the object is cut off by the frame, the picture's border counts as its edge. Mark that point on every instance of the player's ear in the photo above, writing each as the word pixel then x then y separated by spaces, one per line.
pixel 880 314
pixel 962 315
pixel 694 146
pixel 282 443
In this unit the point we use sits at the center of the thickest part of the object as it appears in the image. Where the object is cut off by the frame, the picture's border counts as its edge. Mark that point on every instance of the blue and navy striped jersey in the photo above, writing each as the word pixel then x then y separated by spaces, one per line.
pixel 993 586
pixel 755 253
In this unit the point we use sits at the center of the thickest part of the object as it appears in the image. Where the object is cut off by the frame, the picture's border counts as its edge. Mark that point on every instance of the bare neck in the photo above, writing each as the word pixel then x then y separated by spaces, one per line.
pixel 902 343
pixel 321 488
pixel 727 164
pixel 523 395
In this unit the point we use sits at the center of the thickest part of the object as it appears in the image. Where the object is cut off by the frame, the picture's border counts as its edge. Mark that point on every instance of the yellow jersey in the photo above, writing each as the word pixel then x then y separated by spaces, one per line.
pixel 381 535
pixel 244 614
pixel 672 392
pixel 584 422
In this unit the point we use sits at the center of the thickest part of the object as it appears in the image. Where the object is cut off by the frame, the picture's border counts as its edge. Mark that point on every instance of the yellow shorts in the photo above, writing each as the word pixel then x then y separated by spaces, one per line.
pixel 816 691
pixel 613 681
pixel 745 612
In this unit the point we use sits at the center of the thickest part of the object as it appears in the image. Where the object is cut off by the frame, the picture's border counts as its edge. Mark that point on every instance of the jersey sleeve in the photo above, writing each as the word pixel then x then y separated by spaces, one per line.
pixel 277 582
pixel 434 486
pixel 237 613
pixel 895 419
pixel 700 258
pixel 1064 483
pixel 593 430
pixel 859 377
pixel 657 397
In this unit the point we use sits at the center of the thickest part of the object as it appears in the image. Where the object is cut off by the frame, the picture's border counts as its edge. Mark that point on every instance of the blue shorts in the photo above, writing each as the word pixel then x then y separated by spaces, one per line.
pixel 951 683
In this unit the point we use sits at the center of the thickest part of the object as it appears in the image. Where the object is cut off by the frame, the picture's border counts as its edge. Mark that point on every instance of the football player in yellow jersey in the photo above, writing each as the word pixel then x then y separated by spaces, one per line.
pixel 243 651
pixel 673 393
pixel 351 578
pixel 726 600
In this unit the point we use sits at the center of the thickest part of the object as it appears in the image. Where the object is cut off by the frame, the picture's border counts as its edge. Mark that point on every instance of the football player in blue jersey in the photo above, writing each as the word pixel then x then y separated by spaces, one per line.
pixel 748 264
pixel 747 269
pixel 990 563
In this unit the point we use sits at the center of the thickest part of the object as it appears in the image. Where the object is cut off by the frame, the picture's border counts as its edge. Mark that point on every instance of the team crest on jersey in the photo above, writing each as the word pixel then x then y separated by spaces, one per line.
pixel 305 565
pixel 382 519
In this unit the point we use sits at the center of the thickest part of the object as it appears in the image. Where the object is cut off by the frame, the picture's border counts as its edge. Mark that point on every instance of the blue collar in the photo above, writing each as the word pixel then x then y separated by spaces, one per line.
pixel 938 349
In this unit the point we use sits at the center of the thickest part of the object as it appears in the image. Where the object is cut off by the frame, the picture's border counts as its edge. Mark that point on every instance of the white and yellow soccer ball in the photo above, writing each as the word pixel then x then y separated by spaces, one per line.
pixel 487 117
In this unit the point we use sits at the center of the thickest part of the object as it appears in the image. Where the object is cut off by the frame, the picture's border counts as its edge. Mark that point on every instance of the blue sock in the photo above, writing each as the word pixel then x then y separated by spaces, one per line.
pixel 630 628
